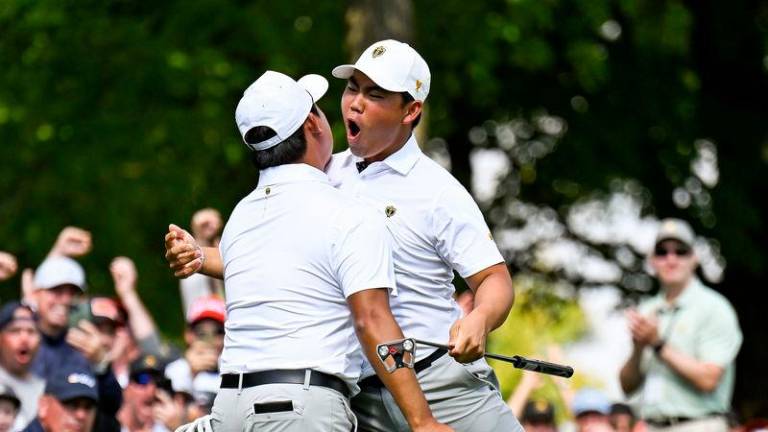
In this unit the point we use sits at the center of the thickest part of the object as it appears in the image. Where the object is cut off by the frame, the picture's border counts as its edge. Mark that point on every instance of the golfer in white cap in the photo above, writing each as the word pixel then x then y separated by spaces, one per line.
pixel 297 256
pixel 437 228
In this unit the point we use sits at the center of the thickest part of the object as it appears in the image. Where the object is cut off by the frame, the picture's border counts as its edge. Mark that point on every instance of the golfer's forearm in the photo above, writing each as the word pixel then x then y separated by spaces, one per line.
pixel 374 324
pixel 494 294
pixel 212 265
pixel 402 383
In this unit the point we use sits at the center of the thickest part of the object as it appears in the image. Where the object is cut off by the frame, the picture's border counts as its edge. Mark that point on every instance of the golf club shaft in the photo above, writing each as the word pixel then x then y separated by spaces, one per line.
pixel 519 362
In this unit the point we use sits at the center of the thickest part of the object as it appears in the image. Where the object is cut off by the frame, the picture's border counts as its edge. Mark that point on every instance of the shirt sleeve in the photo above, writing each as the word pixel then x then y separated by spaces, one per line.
pixel 362 253
pixel 720 338
pixel 462 237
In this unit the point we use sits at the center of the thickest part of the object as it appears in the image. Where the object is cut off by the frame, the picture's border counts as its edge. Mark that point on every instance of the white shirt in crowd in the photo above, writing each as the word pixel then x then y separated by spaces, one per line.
pixel 28 390
pixel 293 250
pixel 436 227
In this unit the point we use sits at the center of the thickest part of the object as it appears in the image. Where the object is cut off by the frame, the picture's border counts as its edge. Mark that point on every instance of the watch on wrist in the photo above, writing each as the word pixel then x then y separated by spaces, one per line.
pixel 658 346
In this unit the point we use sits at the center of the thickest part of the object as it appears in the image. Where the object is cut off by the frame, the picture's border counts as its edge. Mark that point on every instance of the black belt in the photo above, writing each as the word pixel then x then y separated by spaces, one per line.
pixel 374 381
pixel 293 376
pixel 671 421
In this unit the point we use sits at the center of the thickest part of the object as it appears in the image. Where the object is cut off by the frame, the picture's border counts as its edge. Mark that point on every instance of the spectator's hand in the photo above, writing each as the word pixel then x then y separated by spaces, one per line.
pixel 203 424
pixel 645 331
pixel 202 356
pixel 166 411
pixel 182 252
pixel 206 226
pixel 122 344
pixel 72 242
pixel 86 338
pixel 531 380
pixel 467 338
pixel 28 287
pixel 124 275
pixel 8 266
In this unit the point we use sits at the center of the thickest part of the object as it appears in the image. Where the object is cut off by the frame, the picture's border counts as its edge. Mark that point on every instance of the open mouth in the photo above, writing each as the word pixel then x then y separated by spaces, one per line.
pixel 353 128
pixel 23 356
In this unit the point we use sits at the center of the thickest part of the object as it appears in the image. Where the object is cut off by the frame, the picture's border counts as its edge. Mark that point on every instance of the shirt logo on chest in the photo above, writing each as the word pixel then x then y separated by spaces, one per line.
pixel 390 211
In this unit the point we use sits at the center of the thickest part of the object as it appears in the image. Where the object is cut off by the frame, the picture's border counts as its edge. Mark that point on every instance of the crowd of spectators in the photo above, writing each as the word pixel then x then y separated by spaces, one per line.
pixel 78 362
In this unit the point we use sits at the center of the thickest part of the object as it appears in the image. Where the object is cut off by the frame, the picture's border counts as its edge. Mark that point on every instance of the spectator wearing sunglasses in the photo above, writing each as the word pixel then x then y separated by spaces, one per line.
pixel 198 369
pixel 150 403
pixel 685 342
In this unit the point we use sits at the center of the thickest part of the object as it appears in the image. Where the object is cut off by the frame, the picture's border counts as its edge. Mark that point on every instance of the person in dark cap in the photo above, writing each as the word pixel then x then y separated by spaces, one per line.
pixel 68 403
pixel 20 340
pixel 622 417
pixel 9 408
pixel 539 416
pixel 149 403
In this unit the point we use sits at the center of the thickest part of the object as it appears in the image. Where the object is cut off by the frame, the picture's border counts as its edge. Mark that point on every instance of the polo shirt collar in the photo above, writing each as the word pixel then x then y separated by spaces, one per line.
pixel 290 173
pixel 685 299
pixel 404 159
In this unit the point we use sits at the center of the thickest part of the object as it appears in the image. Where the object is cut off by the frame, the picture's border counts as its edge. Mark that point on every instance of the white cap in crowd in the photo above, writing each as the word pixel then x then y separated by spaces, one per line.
pixel 277 101
pixel 393 66
pixel 59 270
pixel 675 229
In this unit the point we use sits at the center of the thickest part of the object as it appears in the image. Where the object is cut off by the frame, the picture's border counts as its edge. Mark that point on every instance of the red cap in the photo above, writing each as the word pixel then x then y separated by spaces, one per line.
pixel 211 307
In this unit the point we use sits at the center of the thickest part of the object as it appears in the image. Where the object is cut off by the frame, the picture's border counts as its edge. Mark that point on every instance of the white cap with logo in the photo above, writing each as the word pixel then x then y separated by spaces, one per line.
pixel 675 229
pixel 393 66
pixel 277 101
pixel 59 270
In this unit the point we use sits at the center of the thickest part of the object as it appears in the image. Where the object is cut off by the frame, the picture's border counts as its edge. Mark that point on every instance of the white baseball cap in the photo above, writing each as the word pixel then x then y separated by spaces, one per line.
pixel 277 101
pixel 59 270
pixel 393 66
pixel 675 229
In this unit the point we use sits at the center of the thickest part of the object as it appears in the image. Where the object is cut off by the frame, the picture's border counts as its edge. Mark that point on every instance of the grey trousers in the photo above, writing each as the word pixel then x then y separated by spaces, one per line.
pixel 466 397
pixel 315 409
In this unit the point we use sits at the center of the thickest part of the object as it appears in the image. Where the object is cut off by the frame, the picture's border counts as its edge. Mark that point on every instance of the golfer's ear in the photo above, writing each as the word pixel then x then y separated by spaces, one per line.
pixel 413 111
pixel 312 123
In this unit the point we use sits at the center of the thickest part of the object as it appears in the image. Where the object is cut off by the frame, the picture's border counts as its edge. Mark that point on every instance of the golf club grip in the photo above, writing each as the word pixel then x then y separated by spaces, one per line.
pixel 537 365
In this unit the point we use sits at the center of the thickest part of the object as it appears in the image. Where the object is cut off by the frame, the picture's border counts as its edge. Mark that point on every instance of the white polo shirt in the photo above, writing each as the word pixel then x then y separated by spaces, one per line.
pixel 436 226
pixel 293 250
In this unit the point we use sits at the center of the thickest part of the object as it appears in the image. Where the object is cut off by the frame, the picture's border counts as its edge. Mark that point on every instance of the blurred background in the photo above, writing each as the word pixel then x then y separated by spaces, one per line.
pixel 576 124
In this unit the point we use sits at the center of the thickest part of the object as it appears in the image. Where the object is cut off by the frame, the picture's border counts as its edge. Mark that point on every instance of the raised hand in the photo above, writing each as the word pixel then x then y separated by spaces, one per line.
pixel 8 266
pixel 87 339
pixel 72 242
pixel 124 275
pixel 166 411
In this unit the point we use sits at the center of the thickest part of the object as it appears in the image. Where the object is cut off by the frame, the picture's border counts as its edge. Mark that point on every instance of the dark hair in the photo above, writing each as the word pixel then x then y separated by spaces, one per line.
pixel 291 150
pixel 407 98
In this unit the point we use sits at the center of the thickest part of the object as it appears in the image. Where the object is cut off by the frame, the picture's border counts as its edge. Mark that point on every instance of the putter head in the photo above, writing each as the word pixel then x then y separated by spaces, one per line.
pixel 397 354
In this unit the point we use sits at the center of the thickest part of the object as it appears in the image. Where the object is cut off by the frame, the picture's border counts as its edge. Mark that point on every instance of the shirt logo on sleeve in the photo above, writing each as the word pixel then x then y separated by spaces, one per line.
pixel 390 210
